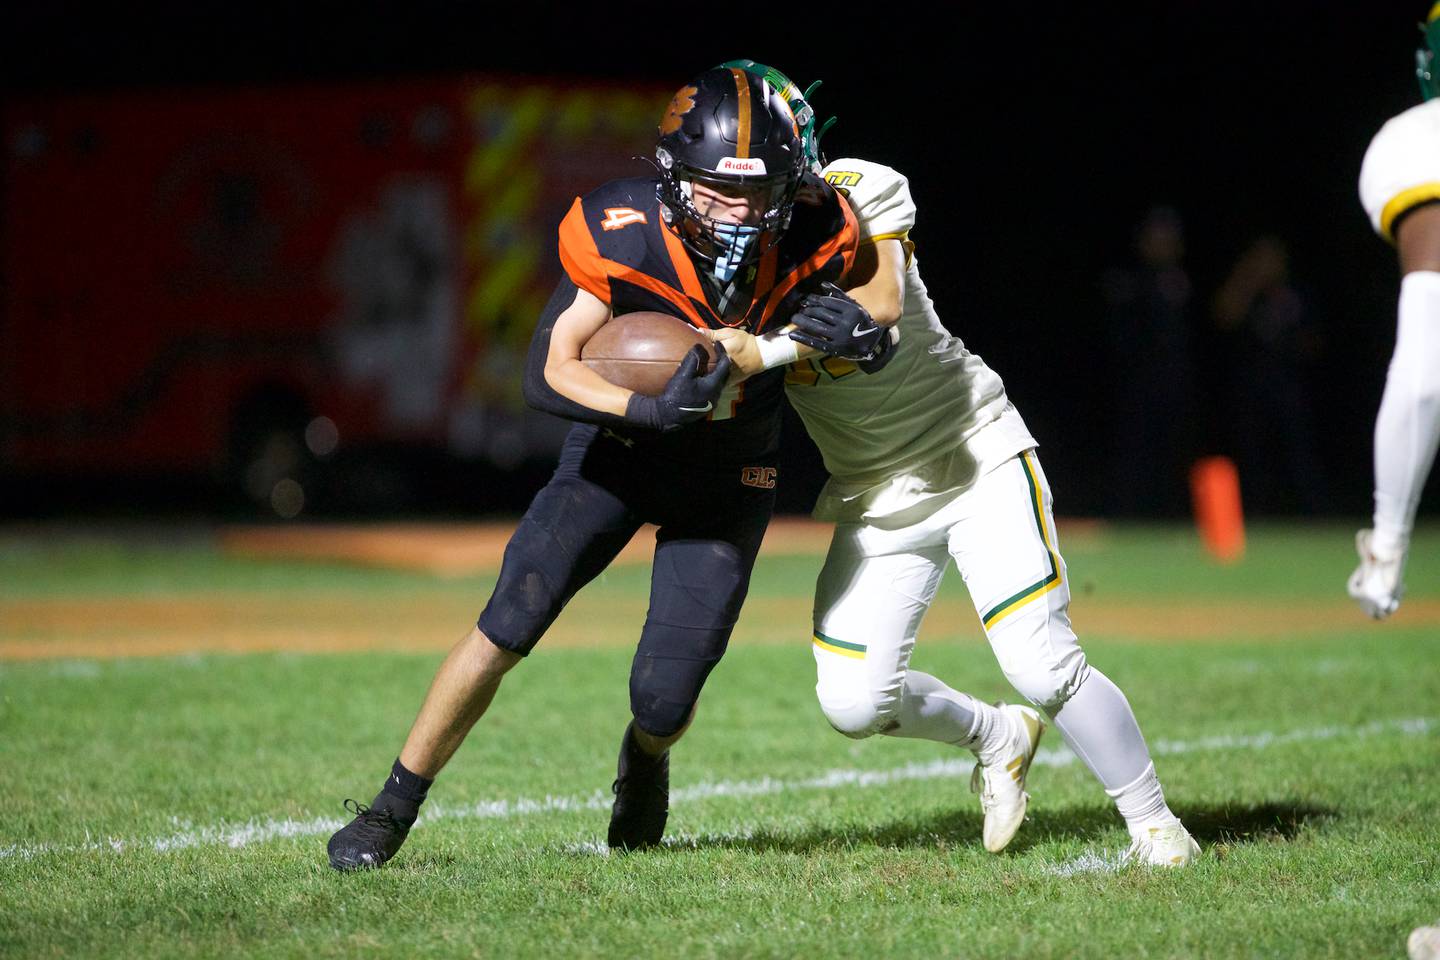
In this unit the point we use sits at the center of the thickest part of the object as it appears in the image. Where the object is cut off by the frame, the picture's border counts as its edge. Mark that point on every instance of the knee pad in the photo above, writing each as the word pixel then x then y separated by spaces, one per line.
pixel 1038 653
pixel 1048 683
pixel 696 588
pixel 668 672
pixel 658 715
pixel 571 531
pixel 856 709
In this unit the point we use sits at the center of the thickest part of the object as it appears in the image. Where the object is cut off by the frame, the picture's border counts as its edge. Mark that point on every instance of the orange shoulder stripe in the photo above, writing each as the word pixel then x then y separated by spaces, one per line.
pixel 659 288
pixel 680 260
pixel 579 255
pixel 592 272
pixel 844 242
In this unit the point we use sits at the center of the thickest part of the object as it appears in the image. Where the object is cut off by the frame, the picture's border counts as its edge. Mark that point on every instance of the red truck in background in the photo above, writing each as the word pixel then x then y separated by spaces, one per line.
pixel 247 284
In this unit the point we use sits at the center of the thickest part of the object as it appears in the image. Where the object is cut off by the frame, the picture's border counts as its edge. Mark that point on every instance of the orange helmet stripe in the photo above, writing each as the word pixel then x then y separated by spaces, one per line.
pixel 742 134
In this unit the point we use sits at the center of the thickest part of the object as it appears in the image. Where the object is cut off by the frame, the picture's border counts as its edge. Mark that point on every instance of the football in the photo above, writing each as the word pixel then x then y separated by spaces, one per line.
pixel 640 351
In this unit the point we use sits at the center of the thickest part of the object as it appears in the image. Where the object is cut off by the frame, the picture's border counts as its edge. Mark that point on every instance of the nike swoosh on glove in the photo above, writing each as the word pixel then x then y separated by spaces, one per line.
pixel 833 323
pixel 687 396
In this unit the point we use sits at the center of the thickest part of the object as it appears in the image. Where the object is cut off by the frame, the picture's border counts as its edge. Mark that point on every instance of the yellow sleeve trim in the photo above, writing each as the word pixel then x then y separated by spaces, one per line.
pixel 903 236
pixel 1403 202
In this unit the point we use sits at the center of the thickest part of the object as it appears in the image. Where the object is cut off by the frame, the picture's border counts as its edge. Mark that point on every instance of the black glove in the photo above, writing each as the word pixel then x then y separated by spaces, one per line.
pixel 686 397
pixel 833 323
pixel 884 353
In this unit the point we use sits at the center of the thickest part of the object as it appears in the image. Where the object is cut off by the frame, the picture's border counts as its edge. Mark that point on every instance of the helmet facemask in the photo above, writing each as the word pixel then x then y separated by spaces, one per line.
pixel 726 245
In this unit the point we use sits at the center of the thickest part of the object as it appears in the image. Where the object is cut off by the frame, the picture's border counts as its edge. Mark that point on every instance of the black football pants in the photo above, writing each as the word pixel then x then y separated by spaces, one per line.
pixel 710 527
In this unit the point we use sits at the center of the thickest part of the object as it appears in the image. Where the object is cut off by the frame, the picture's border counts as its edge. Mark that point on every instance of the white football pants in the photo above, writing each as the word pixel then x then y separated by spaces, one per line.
pixel 877 584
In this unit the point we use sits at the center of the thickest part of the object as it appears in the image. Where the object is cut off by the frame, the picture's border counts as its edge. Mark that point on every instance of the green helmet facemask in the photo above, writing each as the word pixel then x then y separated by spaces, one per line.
pixel 1427 58
pixel 799 103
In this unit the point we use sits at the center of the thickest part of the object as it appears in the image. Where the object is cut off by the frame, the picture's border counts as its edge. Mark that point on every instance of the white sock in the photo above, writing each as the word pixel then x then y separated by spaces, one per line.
pixel 930 710
pixel 1407 428
pixel 1142 803
pixel 1100 727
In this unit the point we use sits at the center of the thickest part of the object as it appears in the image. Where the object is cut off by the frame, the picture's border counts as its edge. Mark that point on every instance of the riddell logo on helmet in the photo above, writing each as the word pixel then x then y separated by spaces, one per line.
pixel 737 165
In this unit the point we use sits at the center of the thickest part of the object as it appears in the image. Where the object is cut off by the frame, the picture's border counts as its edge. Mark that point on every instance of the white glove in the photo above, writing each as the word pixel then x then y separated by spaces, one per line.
pixel 1376 584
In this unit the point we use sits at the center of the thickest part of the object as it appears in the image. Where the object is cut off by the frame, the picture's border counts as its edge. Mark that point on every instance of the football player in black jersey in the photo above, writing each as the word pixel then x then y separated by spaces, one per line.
pixel 731 231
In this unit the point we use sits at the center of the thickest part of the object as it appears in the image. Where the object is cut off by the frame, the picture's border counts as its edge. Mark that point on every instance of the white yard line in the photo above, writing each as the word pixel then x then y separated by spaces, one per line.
pixel 236 835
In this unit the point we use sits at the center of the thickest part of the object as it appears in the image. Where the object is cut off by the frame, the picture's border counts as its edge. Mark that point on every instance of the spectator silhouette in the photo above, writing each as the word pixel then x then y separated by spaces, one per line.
pixel 1148 326
pixel 1272 345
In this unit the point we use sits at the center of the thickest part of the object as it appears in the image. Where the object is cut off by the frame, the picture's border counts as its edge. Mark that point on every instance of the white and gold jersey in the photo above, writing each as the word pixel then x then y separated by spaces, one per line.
pixel 1402 167
pixel 930 422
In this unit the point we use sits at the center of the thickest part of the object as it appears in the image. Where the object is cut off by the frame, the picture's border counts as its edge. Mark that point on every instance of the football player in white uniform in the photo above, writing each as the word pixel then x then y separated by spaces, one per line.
pixel 929 460
pixel 1400 188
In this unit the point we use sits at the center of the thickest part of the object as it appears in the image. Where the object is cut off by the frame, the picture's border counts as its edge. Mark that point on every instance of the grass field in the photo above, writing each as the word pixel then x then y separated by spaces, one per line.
pixel 178 805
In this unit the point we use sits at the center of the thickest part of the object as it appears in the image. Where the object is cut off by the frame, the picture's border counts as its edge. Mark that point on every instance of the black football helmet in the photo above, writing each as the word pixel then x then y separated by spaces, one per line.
pixel 728 128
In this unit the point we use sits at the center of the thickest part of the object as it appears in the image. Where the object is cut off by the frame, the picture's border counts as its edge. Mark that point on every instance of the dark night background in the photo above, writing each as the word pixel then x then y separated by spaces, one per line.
pixel 1035 140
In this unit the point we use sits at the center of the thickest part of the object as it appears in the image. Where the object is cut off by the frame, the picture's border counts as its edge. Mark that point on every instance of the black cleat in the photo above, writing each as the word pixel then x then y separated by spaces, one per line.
pixel 374 836
pixel 642 798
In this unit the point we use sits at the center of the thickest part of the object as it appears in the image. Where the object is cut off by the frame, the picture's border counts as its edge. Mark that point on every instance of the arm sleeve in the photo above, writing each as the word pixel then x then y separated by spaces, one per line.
pixel 538 392
pixel 1408 426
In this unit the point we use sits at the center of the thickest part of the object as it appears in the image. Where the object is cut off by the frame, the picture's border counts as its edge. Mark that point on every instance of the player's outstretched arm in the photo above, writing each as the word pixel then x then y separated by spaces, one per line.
pixel 1407 428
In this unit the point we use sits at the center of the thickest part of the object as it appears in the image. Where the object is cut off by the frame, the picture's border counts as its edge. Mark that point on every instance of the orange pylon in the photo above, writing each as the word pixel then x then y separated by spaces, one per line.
pixel 1219 517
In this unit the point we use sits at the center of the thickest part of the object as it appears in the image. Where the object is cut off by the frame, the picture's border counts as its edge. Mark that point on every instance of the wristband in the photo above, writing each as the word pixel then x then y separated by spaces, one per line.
pixel 777 349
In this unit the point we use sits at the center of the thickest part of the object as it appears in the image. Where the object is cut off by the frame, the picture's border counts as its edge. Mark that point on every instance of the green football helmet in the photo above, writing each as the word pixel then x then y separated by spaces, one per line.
pixel 810 132
pixel 1427 58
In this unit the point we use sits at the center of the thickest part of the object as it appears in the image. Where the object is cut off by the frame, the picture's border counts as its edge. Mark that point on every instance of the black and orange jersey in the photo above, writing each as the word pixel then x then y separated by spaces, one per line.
pixel 615 244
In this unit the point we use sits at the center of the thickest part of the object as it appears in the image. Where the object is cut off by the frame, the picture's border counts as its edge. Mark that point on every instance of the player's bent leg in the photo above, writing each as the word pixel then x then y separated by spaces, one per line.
pixel 1008 552
pixel 461 691
pixel 870 598
pixel 696 590
pixel 872 594
pixel 570 533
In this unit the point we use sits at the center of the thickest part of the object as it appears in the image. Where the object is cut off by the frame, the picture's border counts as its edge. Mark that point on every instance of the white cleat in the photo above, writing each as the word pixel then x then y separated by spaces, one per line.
pixel 1001 783
pixel 1377 583
pixel 1424 943
pixel 1167 846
